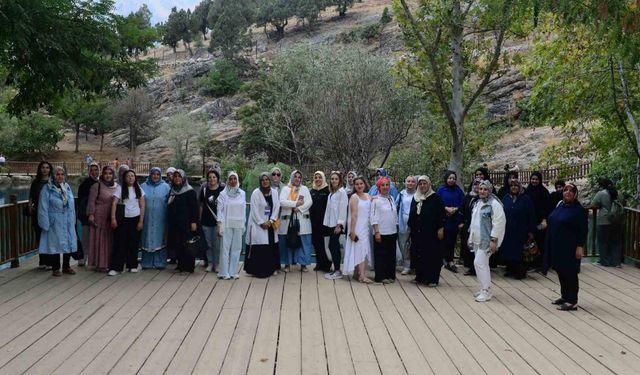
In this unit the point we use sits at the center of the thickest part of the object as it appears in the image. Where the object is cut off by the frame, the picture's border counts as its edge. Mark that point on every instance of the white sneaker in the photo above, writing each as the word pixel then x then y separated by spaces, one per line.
pixel 484 296
pixel 475 294
pixel 336 275
pixel 133 270
pixel 112 273
pixel 226 277
pixel 209 268
pixel 405 271
pixel 235 276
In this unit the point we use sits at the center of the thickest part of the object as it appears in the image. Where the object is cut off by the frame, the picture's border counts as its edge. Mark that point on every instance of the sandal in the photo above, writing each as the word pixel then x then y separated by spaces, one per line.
pixel 365 280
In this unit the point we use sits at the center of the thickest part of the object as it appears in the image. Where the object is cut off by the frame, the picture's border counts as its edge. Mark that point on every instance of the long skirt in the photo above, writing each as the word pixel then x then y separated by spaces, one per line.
pixel 428 263
pixel 100 247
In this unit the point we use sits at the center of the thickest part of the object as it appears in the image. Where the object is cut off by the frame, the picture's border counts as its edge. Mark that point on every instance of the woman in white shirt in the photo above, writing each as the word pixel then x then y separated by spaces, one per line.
pixel 334 218
pixel 295 201
pixel 128 227
pixel 232 204
pixel 384 220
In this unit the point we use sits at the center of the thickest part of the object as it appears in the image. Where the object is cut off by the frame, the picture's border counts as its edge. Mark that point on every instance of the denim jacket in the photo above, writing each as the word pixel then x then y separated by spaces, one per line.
pixel 487 220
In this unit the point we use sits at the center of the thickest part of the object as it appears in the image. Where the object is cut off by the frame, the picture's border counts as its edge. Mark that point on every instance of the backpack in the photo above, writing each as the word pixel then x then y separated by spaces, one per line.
pixel 616 212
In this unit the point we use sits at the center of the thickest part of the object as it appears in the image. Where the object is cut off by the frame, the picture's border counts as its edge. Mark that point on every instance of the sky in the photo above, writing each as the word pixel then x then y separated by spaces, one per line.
pixel 160 9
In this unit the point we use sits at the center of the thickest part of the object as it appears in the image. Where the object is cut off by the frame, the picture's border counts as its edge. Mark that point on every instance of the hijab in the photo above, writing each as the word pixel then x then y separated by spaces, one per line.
pixel 232 192
pixel 349 187
pixel 150 182
pixel 264 190
pixel 489 187
pixel 182 188
pixel 411 191
pixel 97 165
pixel 62 188
pixel 113 180
pixel 273 184
pixel 474 182
pixel 419 196
pixel 323 184
pixel 294 190
pixel 121 169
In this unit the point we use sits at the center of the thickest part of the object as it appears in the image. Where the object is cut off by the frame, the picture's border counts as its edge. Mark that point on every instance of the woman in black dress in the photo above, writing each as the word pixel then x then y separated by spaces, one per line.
pixel 426 226
pixel 319 195
pixel 263 257
pixel 182 221
pixel 43 174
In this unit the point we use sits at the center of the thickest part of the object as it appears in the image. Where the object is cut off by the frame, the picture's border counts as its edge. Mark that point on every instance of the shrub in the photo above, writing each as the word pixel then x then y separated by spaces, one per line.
pixel 223 79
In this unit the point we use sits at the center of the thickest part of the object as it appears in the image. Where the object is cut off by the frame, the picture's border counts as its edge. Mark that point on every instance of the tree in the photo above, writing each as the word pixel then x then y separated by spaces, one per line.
pixel 135 31
pixel 134 113
pixel 49 47
pixel 229 21
pixel 177 28
pixel 275 13
pixel 456 48
pixel 82 112
pixel 199 18
pixel 180 129
pixel 32 133
pixel 309 10
pixel 342 6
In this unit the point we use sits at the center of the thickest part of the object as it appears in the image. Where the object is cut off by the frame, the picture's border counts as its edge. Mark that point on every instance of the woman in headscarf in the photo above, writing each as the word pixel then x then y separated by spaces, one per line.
pixel 467 207
pixel 519 230
pixel 170 172
pixel 121 170
pixel 508 177
pixel 295 201
pixel 453 198
pixel 335 216
pixel 486 233
pixel 404 207
pixel 263 259
pixel 182 211
pixel 319 194
pixel 208 202
pixel 276 179
pixel 57 219
pixel 380 173
pixel 568 227
pixel 83 202
pixel 232 205
pixel 541 199
pixel 358 246
pixel 426 227
pixel 99 211
pixel 350 177
pixel 43 175
pixel 153 245
pixel 384 220
pixel 129 226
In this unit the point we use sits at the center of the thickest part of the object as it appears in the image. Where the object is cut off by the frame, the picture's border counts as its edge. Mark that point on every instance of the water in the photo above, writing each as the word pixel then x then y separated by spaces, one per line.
pixel 22 191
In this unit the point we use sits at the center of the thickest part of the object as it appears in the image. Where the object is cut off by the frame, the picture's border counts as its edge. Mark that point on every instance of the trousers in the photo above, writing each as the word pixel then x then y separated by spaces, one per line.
pixel 481 264
pixel 230 252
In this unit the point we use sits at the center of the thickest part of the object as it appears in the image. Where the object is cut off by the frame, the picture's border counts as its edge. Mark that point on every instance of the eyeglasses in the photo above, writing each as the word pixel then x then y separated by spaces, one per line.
pixel 276 174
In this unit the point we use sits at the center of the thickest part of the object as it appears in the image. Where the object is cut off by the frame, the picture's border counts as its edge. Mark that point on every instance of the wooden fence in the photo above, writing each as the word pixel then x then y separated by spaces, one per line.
pixel 572 172
pixel 76 168
pixel 17 236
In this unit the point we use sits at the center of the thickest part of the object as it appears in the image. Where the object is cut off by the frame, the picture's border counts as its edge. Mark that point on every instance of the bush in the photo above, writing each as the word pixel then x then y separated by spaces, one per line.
pixel 34 133
pixel 223 79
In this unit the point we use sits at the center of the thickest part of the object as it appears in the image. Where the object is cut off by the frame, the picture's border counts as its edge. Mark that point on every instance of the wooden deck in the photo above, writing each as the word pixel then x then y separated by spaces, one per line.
pixel 159 322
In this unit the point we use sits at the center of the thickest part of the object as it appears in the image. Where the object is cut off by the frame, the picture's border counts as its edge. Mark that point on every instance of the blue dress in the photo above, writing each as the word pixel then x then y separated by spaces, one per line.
pixel 567 229
pixel 57 220
pixel 153 244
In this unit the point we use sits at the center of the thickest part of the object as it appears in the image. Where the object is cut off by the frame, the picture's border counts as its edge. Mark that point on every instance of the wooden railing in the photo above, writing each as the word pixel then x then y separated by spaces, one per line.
pixel 631 234
pixel 573 172
pixel 76 168
pixel 17 236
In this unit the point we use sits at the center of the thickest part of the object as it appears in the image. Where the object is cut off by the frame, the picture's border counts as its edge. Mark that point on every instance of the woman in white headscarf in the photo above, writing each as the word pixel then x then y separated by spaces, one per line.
pixel 232 204
pixel 426 228
pixel 295 201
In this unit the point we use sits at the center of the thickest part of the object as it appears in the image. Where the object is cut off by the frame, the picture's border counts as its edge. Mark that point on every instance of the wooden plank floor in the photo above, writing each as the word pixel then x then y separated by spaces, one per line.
pixel 158 322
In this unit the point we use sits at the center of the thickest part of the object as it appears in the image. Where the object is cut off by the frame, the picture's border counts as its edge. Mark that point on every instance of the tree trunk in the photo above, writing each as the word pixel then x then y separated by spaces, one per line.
pixel 456 126
pixel 77 137
pixel 101 141
pixel 131 137
pixel 188 48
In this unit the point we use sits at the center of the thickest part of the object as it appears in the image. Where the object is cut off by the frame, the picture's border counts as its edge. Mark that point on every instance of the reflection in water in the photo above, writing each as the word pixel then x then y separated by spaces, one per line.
pixel 21 191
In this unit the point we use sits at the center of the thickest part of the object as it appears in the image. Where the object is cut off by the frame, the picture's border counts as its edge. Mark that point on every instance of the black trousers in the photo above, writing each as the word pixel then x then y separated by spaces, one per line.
pixel 516 269
pixel 384 253
pixel 53 260
pixel 465 252
pixel 334 248
pixel 317 239
pixel 126 245
pixel 569 285
pixel 450 237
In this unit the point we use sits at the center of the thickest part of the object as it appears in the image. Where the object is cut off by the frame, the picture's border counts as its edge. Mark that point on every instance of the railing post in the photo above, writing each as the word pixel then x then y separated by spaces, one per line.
pixel 13 222
pixel 594 237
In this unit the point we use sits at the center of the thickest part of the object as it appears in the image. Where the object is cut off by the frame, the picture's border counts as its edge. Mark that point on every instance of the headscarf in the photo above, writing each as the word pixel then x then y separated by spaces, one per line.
pixel 520 190
pixel 273 184
pixel 184 187
pixel 113 180
pixel 170 170
pixel 62 189
pixel 264 190
pixel 150 182
pixel 411 191
pixel 446 178
pixel 382 172
pixel 121 169
pixel 97 165
pixel 294 190
pixel 232 192
pixel 323 184
pixel 489 187
pixel 475 181
pixel 421 197
pixel 575 189
pixel 349 187
pixel 380 181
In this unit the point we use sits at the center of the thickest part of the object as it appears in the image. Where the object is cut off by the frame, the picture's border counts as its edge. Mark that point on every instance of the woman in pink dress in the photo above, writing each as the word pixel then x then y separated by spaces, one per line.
pixel 99 211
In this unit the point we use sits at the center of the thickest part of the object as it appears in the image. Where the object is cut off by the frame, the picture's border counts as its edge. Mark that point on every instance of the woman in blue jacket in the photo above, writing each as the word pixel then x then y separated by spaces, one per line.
pixel 453 198
pixel 153 244
pixel 57 219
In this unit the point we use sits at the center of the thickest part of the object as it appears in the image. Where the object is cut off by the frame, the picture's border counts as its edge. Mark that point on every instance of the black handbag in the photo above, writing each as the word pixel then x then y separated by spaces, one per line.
pixel 195 245
pixel 119 213
pixel 293 233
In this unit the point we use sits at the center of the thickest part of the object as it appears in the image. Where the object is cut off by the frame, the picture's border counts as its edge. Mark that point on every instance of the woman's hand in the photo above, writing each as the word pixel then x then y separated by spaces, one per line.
pixel 194 226
pixel 579 252
pixel 114 223
pixel 493 246
pixel 441 234
pixel 265 225
pixel 92 220
pixel 378 237
pixel 338 229
pixel 139 226
pixel 352 235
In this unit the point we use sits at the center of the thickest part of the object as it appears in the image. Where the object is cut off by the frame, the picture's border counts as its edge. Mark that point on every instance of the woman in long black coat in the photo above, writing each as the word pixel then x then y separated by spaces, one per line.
pixel 182 210
pixel 319 195
pixel 541 199
pixel 567 234
pixel 426 226
pixel 520 228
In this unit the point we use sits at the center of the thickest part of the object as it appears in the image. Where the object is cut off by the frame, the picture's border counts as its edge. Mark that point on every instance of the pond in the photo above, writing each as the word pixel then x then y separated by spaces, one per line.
pixel 22 191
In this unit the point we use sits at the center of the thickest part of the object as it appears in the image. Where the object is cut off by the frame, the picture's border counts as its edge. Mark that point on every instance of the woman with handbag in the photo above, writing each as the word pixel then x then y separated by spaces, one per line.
pixel 295 229
pixel 127 219
pixel 153 243
pixel 519 231
pixel 182 211
pixel 262 258
pixel 99 211
pixel 232 205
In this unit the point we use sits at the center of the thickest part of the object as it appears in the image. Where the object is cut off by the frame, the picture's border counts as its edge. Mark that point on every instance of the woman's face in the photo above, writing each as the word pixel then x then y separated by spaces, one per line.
pixel 297 179
pixel 483 191
pixel 559 188
pixel 107 175
pixel 451 180
pixel 59 177
pixel 170 176
pixel 535 181
pixel 317 179
pixel 514 188
pixel 423 186
pixel 359 186
pixel 45 170
pixel 350 178
pixel 480 175
pixel 410 182
pixel 335 181
pixel 130 178
pixel 276 176
pixel 568 194
pixel 155 176
pixel 177 179
pixel 212 179
pixel 94 171
pixel 384 187
pixel 265 182
pixel 232 181
pixel 475 187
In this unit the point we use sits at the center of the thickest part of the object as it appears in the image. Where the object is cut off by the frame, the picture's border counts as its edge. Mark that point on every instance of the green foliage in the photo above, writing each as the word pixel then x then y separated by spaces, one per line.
pixel 135 31
pixel 178 27
pixel 132 112
pixel 275 13
pixel 385 18
pixel 32 133
pixel 309 11
pixel 251 176
pixel 342 6
pixel 363 32
pixel 223 79
pixel 49 47
pixel 199 18
pixel 229 21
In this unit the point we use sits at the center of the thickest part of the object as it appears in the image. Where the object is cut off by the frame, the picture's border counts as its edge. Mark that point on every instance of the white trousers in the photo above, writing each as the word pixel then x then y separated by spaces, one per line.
pixel 230 252
pixel 481 264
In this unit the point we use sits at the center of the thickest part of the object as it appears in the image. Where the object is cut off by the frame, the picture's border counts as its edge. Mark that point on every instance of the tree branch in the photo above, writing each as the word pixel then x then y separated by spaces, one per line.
pixel 621 121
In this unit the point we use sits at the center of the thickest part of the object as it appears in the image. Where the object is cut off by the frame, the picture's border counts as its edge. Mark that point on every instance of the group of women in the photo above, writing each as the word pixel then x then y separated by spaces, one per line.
pixel 416 228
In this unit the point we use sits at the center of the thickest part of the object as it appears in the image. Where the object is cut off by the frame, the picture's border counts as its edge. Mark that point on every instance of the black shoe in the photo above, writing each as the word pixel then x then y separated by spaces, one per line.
pixel 452 267
pixel 568 307
pixel 559 301
pixel 470 272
